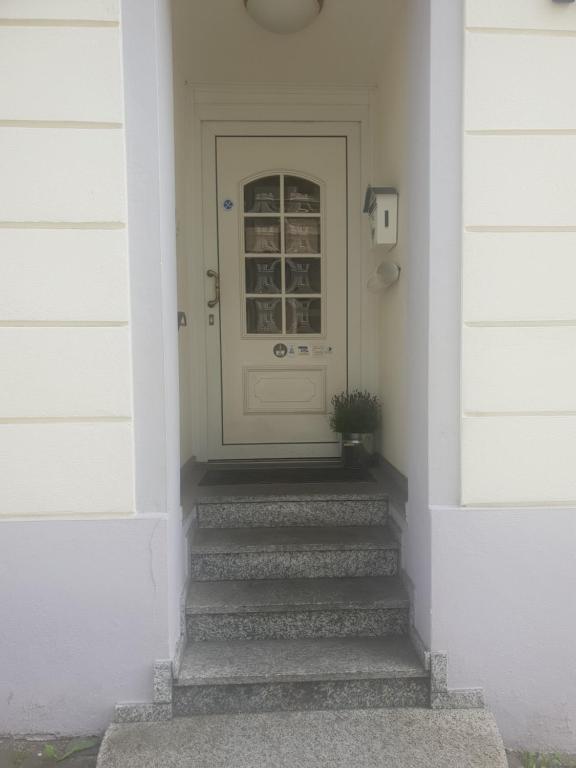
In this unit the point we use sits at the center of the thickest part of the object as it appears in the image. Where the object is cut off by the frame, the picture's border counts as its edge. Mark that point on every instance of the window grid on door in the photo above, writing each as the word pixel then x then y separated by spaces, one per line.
pixel 282 255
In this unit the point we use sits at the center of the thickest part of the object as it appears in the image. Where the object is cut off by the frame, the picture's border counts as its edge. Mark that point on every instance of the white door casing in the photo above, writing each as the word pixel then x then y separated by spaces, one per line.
pixel 267 377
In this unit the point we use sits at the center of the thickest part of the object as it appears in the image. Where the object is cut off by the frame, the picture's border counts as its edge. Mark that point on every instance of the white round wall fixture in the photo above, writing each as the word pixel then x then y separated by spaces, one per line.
pixel 283 16
pixel 383 277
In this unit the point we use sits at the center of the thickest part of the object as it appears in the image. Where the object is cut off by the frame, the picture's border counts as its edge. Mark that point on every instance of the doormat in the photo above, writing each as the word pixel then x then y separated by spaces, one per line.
pixel 287 475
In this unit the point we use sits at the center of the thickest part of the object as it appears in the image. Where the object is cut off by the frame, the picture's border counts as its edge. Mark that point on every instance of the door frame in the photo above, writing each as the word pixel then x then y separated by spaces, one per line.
pixel 283 110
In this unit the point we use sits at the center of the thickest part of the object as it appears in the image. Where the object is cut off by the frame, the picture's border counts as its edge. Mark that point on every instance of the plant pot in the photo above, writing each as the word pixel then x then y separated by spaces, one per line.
pixel 357 449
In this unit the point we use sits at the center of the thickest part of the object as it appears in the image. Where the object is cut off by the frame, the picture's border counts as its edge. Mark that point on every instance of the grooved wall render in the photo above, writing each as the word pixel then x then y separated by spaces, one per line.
pixel 89 591
pixel 519 261
pixel 66 401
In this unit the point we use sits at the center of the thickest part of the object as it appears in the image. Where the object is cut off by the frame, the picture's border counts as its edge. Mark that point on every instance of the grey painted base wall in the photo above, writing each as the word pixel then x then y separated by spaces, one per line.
pixel 84 616
pixel 503 608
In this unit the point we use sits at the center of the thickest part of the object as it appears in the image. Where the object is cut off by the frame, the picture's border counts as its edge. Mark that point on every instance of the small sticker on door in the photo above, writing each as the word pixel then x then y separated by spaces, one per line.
pixel 303 349
pixel 228 205
pixel 321 349
pixel 280 350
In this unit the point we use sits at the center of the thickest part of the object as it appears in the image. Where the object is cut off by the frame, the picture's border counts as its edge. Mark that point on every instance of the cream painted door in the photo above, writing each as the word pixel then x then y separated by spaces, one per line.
pixel 282 252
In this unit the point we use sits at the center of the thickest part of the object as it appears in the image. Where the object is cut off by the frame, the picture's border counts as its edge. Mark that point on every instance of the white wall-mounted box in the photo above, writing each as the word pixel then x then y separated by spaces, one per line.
pixel 381 204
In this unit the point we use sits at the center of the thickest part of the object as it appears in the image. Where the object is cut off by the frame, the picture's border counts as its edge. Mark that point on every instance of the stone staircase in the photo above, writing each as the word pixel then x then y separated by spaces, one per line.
pixel 298 652
pixel 296 604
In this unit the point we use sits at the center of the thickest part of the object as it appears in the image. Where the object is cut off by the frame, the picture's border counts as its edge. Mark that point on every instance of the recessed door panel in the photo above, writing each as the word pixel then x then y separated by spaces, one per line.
pixel 285 390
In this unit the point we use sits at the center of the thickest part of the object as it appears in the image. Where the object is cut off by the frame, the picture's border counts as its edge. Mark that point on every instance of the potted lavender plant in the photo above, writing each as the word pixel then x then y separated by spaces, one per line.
pixel 356 416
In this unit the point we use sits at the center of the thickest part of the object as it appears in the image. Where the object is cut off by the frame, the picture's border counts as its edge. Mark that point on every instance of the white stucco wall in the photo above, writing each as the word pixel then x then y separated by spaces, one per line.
pixel 220 43
pixel 403 142
pixel 91 547
pixel 519 368
pixel 91 544
pixel 491 585
pixel 392 170
pixel 502 566
pixel 66 399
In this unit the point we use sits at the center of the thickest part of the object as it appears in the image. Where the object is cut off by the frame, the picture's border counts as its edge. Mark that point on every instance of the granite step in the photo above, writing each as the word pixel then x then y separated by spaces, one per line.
pixel 286 675
pixel 292 552
pixel 267 609
pixel 384 738
pixel 260 512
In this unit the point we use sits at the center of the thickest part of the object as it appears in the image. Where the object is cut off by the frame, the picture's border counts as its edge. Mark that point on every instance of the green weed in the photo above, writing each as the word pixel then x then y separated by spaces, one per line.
pixel 537 760
pixel 49 752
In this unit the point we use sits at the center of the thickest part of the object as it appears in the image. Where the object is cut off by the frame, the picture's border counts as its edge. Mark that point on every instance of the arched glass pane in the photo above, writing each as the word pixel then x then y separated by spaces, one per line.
pixel 301 195
pixel 262 195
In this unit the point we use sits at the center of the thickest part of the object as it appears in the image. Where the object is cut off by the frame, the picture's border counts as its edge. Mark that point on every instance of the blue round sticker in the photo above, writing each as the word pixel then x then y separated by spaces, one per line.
pixel 228 205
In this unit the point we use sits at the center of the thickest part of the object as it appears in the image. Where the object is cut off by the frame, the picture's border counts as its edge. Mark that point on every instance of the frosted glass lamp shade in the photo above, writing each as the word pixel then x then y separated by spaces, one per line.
pixel 283 16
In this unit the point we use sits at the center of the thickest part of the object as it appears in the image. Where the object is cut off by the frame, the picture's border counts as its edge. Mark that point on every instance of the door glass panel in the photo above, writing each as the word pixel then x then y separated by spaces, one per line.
pixel 302 235
pixel 301 195
pixel 303 316
pixel 283 216
pixel 302 275
pixel 262 195
pixel 262 235
pixel 264 316
pixel 263 276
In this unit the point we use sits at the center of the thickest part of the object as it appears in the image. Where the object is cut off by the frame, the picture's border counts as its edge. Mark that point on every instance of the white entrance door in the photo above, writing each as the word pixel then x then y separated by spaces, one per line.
pixel 282 253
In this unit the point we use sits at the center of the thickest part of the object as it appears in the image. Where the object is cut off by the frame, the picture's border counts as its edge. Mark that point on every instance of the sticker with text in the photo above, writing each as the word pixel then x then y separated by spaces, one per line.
pixel 319 350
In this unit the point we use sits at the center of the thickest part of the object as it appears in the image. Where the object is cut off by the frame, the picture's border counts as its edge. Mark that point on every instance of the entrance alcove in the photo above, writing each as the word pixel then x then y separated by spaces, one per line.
pixel 381 73
pixel 346 72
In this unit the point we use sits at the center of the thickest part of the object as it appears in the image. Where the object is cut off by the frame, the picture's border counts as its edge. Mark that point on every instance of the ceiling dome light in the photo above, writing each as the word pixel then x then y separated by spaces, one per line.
pixel 283 16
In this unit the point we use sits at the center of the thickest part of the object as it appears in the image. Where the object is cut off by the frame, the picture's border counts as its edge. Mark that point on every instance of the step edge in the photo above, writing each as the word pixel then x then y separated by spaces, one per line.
pixel 393 602
pixel 300 498
pixel 249 549
pixel 350 676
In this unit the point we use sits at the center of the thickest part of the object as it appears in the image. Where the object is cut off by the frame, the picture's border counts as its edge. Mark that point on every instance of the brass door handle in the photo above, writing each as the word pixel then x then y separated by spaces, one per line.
pixel 216 276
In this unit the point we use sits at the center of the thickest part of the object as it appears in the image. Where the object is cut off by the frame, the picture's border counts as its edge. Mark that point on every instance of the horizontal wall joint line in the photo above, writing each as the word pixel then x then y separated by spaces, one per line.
pixel 62 225
pixel 521 132
pixel 520 504
pixel 506 414
pixel 522 31
pixel 94 23
pixel 65 420
pixel 68 517
pixel 62 124
pixel 517 228
pixel 470 507
pixel 520 323
pixel 64 323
